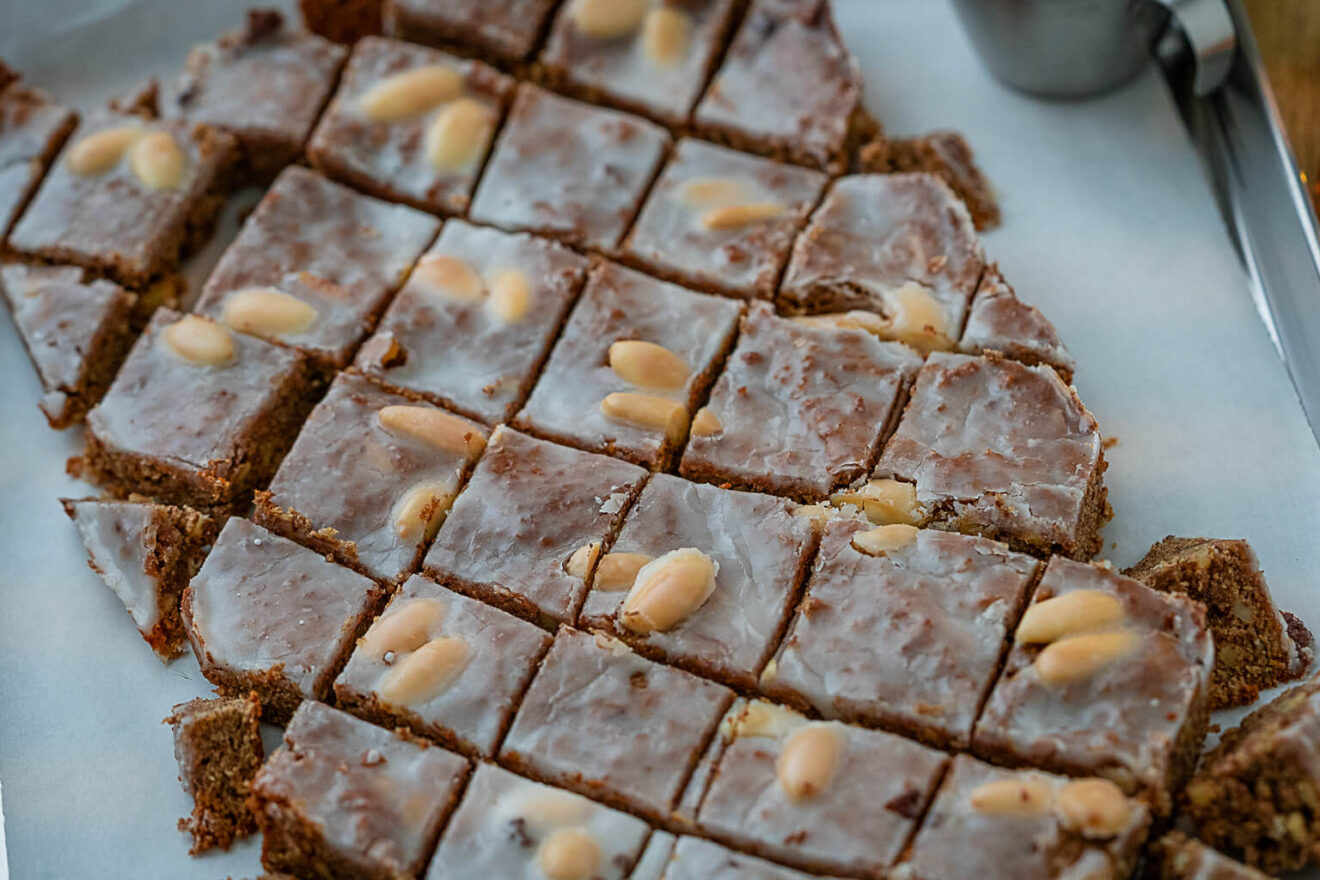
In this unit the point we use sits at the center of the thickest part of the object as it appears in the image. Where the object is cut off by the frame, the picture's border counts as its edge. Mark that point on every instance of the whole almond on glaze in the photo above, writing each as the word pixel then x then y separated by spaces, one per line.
pixel 1080 656
pixel 100 151
pixel 646 411
pixel 267 312
pixel 810 760
pixel 667 591
pixel 510 295
pixel 157 161
pixel 1069 614
pixel 449 276
pixel 411 92
pixel 1023 796
pixel 666 35
pixel 648 365
pixel 568 854
pixel 608 19
pixel 403 628
pixel 434 427
pixel 199 341
pixel 427 672
pixel 458 135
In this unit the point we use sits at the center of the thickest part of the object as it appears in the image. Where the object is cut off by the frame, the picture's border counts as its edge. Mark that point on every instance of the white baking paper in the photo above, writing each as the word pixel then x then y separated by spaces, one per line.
pixel 1109 227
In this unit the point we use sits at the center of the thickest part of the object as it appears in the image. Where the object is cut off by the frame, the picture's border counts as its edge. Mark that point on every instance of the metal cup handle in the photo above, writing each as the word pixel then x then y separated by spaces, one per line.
pixel 1208 27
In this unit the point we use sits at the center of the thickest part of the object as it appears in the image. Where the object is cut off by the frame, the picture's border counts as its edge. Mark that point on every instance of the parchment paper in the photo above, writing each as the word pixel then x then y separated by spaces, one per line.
pixel 1109 227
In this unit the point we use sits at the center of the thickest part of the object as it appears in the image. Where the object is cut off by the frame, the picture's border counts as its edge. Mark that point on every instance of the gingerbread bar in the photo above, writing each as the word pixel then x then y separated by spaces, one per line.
pixel 1024 824
pixel 603 722
pixel 940 606
pixel 788 88
pixel 198 414
pixel 722 221
pixel 128 198
pixel 534 517
pixel 946 155
pixel 701 577
pixel 505 32
pixel 799 410
pixel 146 553
pixel 475 322
pixel 410 124
pixel 1255 793
pixel 818 795
pixel 999 321
pixel 1255 648
pixel 900 247
pixel 448 667
pixel 568 170
pixel 33 127
pixel 633 360
pixel 370 478
pixel 509 827
pixel 218 746
pixel 314 266
pixel 652 58
pixel 1106 677
pixel 265 84
pixel 76 332
pixel 267 615
pixel 344 798
pixel 1000 449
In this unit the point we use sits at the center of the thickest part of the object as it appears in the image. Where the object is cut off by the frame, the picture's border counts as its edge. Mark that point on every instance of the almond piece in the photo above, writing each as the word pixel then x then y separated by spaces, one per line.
pixel 1095 808
pixel 568 854
pixel 199 341
pixel 427 672
pixel 647 365
pixel 738 216
pixel 267 312
pixel 885 502
pixel 457 138
pixel 510 295
pixel 917 318
pixel 618 571
pixel 157 161
pixel 449 276
pixel 434 427
pixel 418 514
pixel 810 760
pixel 1069 614
pixel 579 564
pixel 411 92
pixel 706 423
pixel 1023 796
pixel 668 590
pixel 1074 657
pixel 608 19
pixel 884 539
pixel 403 628
pixel 100 151
pixel 666 35
pixel 646 411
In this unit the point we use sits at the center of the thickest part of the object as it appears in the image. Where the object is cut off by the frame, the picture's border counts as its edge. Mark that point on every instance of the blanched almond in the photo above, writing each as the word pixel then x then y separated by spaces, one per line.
pixel 458 135
pixel 646 411
pixel 419 512
pixel 1095 807
pixel 449 276
pixel 885 502
pixel 199 341
pixel 706 423
pixel 666 34
pixel 884 539
pixel 579 564
pixel 759 718
pixel 1074 657
pixel 1076 612
pixel 810 760
pixel 618 571
pixel 737 216
pixel 403 627
pixel 266 312
pixel 510 295
pixel 667 591
pixel 608 19
pixel 568 854
pixel 1023 796
pixel 411 92
pixel 427 672
pixel 647 365
pixel 434 427
pixel 917 318
pixel 157 161
pixel 100 151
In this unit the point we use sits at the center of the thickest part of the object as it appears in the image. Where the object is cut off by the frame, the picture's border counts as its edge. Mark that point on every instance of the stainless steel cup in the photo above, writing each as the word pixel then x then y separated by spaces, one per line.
pixel 1073 48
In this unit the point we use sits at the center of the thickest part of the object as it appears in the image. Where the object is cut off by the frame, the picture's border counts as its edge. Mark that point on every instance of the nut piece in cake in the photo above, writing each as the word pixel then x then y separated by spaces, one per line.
pixel 900 246
pixel 1003 450
pixel 475 322
pixel 649 56
pixel 197 415
pixel 314 265
pixel 218 746
pixel 944 154
pixel 1255 647
pixel 510 827
pixel 722 221
pixel 448 667
pixel 788 88
pixel 1001 322
pixel 345 798
pixel 76 332
pixel 799 410
pixel 1106 677
pixel 265 84
pixel 371 478
pixel 568 170
pixel 33 127
pixel 505 32
pixel 1256 792
pixel 819 795
pixel 942 606
pixel 267 615
pixel 608 724
pixel 1025 824
pixel 146 553
pixel 411 124
pixel 128 197
pixel 633 360
pixel 1175 856
pixel 516 534
pixel 719 572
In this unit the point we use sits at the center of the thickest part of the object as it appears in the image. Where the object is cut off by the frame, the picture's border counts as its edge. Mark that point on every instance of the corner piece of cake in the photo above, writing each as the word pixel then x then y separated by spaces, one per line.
pixel 999 321
pixel 1257 646
pixel 218 746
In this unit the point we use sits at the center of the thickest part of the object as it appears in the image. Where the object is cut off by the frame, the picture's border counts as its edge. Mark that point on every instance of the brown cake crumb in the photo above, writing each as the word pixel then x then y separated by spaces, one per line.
pixel 945 154
pixel 344 21
pixel 218 746
pixel 1255 646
